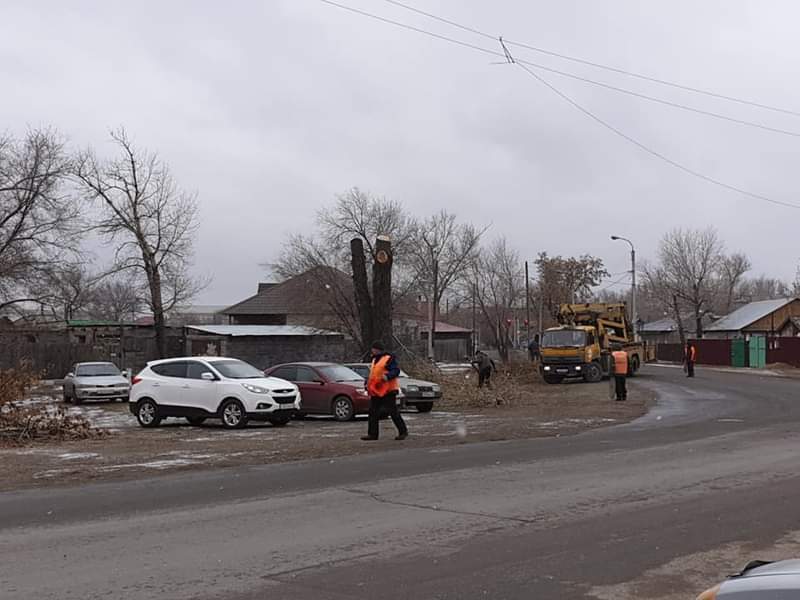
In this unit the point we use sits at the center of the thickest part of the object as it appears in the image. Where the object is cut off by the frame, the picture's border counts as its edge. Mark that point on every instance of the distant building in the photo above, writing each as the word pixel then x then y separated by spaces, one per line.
pixel 779 317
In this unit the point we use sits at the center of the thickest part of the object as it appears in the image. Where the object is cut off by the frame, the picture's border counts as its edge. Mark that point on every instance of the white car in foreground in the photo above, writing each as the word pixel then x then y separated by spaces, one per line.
pixel 200 388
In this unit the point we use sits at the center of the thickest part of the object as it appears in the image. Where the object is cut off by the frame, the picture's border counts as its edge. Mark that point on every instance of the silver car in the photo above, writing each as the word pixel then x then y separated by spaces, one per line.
pixel 760 580
pixel 95 381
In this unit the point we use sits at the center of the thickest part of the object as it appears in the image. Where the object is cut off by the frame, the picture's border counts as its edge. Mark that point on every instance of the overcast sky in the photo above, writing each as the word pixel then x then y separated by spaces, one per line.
pixel 268 109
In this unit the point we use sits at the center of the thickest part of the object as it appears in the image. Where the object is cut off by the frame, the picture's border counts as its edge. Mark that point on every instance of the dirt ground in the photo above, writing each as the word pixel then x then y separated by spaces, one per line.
pixel 129 451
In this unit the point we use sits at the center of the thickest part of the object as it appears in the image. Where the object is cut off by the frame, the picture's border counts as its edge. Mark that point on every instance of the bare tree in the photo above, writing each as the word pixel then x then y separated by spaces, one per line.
pixel 732 269
pixel 444 251
pixel 498 281
pixel 688 272
pixel 327 253
pixel 116 299
pixel 152 221
pixel 37 220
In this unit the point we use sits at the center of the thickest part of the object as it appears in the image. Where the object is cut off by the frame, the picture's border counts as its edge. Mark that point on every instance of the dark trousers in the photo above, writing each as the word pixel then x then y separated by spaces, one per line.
pixel 690 368
pixel 384 404
pixel 485 376
pixel 621 387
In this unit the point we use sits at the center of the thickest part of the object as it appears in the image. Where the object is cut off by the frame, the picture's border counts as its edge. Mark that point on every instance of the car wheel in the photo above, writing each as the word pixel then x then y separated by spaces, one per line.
pixel 196 420
pixel 424 407
pixel 147 413
pixel 279 421
pixel 232 414
pixel 593 373
pixel 342 409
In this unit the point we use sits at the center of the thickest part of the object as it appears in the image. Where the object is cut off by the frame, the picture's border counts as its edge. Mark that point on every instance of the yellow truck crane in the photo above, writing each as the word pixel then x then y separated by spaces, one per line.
pixel 581 344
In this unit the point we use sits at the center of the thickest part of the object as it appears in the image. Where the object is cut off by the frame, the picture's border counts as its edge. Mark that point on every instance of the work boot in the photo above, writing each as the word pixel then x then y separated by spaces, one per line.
pixel 401 436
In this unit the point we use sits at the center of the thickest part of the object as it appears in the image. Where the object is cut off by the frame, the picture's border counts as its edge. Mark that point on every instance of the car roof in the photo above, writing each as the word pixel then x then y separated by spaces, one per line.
pixel 162 361
pixel 308 364
pixel 99 362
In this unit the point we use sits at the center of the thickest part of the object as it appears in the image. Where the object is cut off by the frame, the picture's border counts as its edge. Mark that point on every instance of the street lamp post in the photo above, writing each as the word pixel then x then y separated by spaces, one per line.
pixel 634 315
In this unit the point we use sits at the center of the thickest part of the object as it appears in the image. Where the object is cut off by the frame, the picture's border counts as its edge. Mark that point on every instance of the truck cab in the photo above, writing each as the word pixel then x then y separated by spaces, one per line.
pixel 580 345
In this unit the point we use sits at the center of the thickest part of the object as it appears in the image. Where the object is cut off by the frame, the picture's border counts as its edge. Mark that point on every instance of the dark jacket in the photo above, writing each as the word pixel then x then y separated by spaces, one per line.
pixel 392 369
pixel 482 362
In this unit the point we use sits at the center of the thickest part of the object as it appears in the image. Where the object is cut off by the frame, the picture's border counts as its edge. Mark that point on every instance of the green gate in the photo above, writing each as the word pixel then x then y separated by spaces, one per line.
pixel 758 352
pixel 738 353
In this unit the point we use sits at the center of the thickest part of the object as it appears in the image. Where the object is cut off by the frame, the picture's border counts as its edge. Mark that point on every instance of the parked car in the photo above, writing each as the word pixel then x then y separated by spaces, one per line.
pixel 203 388
pixel 760 580
pixel 417 393
pixel 95 381
pixel 327 388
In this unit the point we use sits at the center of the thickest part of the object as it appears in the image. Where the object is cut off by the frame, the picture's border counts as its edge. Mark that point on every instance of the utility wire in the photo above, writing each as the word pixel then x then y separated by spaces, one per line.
pixel 601 84
pixel 598 65
pixel 576 105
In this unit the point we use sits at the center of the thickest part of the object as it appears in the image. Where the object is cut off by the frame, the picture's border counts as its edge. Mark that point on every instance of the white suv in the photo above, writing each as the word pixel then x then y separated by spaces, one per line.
pixel 199 388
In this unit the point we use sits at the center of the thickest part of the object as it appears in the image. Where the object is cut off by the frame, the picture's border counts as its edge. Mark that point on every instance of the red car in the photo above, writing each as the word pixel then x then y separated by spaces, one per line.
pixel 325 388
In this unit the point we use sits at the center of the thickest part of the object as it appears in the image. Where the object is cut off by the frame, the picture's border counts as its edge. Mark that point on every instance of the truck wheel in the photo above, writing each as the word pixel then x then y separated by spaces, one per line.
pixel 593 373
pixel 634 365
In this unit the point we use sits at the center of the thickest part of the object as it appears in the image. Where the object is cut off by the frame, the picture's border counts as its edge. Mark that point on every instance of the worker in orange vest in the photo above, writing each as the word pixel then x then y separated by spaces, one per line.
pixel 619 364
pixel 383 387
pixel 690 358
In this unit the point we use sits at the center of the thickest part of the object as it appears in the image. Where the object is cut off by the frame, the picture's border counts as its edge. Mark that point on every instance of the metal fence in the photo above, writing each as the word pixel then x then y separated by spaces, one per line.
pixel 756 352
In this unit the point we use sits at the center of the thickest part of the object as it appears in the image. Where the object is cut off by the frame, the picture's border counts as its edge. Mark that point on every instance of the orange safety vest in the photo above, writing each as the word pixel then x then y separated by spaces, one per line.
pixel 376 386
pixel 620 362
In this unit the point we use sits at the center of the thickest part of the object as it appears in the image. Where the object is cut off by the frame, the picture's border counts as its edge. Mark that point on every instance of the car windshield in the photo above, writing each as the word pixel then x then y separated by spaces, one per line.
pixel 237 369
pixel 340 373
pixel 564 338
pixel 104 370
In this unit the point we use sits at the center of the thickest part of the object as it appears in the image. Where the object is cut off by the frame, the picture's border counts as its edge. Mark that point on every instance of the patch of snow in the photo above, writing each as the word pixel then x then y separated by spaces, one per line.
pixel 153 464
pixel 78 455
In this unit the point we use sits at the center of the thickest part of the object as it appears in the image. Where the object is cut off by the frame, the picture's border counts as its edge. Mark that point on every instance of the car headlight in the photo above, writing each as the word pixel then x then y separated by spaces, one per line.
pixel 437 388
pixel 412 388
pixel 362 392
pixel 709 594
pixel 254 389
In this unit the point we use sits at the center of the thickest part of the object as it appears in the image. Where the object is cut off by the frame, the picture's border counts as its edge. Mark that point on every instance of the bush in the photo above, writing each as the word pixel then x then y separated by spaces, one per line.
pixel 22 422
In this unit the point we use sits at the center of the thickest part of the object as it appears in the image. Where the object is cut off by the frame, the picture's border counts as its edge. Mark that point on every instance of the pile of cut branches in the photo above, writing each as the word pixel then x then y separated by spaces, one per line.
pixel 22 421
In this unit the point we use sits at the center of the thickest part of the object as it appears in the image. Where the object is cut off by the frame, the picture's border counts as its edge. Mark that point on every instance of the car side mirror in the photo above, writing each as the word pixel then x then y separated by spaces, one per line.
pixel 208 376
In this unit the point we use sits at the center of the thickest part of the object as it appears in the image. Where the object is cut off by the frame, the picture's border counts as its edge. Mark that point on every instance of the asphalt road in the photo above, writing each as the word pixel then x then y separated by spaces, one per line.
pixel 632 511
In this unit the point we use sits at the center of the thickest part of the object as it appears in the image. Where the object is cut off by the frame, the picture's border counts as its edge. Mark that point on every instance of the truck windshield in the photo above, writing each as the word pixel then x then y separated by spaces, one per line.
pixel 564 338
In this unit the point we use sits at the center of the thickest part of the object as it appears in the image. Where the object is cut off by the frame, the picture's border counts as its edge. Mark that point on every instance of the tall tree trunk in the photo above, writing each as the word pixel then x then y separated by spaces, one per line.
pixel 361 290
pixel 382 291
pixel 434 310
pixel 679 322
pixel 158 312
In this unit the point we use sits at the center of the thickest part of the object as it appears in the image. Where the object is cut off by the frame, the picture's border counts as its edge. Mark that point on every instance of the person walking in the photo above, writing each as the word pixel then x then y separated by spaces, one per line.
pixel 484 365
pixel 690 358
pixel 383 386
pixel 533 348
pixel 619 364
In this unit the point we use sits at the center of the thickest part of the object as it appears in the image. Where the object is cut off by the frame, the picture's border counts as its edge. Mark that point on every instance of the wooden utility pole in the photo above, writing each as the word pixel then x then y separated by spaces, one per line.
pixel 527 304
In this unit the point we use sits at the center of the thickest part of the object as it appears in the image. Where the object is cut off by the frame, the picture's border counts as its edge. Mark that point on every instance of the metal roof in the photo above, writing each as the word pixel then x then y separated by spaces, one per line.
pixel 748 314
pixel 659 326
pixel 261 330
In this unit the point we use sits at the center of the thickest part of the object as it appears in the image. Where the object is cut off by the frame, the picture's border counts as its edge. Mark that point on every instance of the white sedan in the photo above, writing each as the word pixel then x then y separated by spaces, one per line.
pixel 199 388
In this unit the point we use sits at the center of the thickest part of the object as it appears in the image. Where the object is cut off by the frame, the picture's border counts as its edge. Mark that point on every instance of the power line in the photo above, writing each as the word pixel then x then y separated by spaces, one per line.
pixel 599 65
pixel 575 104
pixel 613 283
pixel 649 150
pixel 594 82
